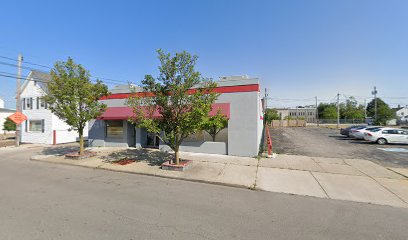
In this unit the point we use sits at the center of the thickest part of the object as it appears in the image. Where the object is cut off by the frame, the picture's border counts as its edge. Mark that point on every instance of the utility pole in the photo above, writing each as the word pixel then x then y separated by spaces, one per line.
pixel 338 110
pixel 365 109
pixel 317 113
pixel 374 92
pixel 266 99
pixel 18 102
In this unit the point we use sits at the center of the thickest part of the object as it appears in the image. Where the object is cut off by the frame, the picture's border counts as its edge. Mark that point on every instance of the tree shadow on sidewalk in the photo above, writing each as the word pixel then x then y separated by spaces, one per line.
pixel 151 156
pixel 60 150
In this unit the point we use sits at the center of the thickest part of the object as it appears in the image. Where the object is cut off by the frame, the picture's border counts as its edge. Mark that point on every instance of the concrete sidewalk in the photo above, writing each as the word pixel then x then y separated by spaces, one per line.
pixel 333 178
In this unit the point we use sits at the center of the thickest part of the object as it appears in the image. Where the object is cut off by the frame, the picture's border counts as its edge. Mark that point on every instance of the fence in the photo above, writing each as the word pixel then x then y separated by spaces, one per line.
pixel 288 123
pixel 342 121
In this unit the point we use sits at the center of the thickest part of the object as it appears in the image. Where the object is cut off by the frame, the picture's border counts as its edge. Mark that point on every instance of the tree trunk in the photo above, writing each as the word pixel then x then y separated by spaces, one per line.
pixel 81 142
pixel 177 155
pixel 213 137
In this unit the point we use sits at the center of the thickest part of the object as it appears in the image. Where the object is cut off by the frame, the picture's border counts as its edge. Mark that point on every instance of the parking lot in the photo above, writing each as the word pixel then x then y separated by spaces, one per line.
pixel 325 142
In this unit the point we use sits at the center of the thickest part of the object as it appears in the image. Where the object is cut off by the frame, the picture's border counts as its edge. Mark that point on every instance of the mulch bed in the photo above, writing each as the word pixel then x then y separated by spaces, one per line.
pixel 124 161
pixel 184 165
pixel 76 155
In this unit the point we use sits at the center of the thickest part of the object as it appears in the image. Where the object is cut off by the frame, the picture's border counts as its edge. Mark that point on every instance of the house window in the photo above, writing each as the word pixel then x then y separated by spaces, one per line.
pixel 36 126
pixel 114 128
pixel 29 103
pixel 42 103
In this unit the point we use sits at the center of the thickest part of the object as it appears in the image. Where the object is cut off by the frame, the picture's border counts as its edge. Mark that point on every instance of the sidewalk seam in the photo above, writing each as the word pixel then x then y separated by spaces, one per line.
pixel 327 195
pixel 366 175
pixel 389 190
pixel 256 175
pixel 397 172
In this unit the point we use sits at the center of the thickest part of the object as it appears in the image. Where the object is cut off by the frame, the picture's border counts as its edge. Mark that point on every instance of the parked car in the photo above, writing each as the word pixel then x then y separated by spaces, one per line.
pixel 346 131
pixel 359 133
pixel 387 135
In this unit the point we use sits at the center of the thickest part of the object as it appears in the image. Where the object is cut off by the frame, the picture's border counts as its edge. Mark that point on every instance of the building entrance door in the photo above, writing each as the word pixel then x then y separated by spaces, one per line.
pixel 152 140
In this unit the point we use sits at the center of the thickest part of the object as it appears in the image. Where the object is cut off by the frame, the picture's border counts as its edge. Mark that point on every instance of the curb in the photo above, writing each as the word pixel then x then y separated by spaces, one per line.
pixel 151 175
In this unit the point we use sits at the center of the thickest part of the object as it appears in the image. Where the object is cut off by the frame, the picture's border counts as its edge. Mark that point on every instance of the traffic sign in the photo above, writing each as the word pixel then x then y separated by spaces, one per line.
pixel 18 118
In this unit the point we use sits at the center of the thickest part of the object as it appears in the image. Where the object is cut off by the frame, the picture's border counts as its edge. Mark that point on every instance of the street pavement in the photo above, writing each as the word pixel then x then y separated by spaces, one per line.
pixel 335 178
pixel 49 201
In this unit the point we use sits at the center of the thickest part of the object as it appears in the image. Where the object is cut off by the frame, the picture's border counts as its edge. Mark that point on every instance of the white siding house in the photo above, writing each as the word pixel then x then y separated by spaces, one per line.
pixel 402 114
pixel 42 126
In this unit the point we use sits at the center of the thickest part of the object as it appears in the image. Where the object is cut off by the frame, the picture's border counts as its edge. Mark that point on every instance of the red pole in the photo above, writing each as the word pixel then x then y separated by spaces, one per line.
pixel 269 141
pixel 54 137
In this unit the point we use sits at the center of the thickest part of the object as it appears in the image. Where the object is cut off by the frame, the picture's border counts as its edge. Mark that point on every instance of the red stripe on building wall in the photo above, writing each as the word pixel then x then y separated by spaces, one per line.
pixel 226 89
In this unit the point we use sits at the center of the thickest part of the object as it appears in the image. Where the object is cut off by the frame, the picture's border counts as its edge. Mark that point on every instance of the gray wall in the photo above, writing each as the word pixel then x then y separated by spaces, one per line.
pixel 243 126
pixel 96 133
pixel 96 136
pixel 141 137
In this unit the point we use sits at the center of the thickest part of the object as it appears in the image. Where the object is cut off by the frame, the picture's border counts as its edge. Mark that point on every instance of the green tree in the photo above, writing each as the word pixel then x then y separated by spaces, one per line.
pixel 9 125
pixel 327 111
pixel 73 97
pixel 271 114
pixel 384 112
pixel 351 109
pixel 181 110
pixel 214 124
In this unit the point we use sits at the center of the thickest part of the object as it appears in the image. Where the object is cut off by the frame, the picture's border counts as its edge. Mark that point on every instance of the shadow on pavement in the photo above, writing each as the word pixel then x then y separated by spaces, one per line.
pixel 341 137
pixel 153 157
pixel 361 142
pixel 59 150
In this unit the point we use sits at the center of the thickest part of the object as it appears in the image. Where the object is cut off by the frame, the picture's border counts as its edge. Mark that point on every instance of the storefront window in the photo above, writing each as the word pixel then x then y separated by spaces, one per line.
pixel 114 129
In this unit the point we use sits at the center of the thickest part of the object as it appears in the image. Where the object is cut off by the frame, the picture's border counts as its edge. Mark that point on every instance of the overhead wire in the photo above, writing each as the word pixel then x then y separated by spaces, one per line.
pixel 109 80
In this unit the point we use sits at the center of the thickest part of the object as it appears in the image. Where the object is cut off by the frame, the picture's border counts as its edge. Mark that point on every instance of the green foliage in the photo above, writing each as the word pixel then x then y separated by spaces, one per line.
pixel 182 111
pixel 327 111
pixel 351 110
pixel 271 114
pixel 9 125
pixel 213 125
pixel 73 97
pixel 384 112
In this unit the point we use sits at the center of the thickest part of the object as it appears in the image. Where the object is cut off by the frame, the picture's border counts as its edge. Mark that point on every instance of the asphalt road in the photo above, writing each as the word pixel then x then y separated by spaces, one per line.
pixel 49 201
pixel 325 142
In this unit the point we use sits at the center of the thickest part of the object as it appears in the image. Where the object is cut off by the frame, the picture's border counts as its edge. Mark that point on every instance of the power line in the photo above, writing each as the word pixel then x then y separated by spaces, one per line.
pixel 114 81
pixel 12 75
pixel 15 77
pixel 15 65
pixel 105 80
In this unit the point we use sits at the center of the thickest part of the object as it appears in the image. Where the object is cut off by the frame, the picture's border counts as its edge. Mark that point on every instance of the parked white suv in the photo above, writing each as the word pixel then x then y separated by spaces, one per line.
pixel 387 135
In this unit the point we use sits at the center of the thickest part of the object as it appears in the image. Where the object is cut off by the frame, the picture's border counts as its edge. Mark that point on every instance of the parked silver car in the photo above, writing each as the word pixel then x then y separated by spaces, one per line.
pixel 387 135
pixel 359 133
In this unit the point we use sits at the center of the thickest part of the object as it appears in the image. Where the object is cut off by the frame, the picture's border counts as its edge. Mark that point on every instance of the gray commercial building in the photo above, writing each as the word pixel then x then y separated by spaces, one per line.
pixel 307 113
pixel 239 100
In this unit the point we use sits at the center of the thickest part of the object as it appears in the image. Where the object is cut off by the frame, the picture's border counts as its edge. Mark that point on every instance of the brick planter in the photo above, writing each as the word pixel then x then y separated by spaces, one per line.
pixel 184 165
pixel 77 156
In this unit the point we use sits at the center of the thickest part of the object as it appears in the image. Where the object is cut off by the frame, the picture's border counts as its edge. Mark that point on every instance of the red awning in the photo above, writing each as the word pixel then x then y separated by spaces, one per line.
pixel 123 113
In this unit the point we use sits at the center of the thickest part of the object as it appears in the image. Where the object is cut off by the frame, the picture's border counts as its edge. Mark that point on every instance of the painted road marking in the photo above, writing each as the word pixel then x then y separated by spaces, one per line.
pixel 403 150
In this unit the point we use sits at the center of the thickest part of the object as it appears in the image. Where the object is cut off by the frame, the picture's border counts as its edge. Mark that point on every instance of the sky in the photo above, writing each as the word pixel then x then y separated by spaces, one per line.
pixel 298 49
